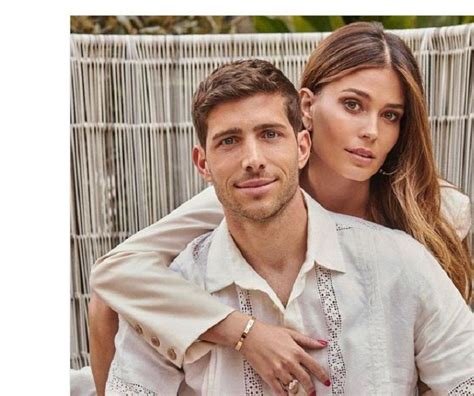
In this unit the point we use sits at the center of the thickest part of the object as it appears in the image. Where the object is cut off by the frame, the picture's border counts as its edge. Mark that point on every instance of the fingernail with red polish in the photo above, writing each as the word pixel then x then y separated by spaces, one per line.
pixel 313 393
pixel 322 342
pixel 327 383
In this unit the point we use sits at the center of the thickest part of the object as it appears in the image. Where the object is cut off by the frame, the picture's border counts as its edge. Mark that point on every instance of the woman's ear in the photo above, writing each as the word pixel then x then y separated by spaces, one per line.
pixel 200 161
pixel 306 98
pixel 304 148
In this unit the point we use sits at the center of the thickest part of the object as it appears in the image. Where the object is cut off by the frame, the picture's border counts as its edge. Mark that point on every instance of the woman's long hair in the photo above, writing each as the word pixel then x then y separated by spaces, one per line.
pixel 407 197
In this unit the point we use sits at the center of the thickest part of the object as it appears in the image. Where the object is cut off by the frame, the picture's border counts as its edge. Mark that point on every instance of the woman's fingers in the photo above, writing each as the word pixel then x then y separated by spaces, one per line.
pixel 276 387
pixel 303 378
pixel 277 355
pixel 314 368
pixel 307 342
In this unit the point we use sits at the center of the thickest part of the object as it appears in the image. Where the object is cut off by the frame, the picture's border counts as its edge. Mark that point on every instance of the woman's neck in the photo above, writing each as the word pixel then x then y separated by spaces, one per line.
pixel 336 193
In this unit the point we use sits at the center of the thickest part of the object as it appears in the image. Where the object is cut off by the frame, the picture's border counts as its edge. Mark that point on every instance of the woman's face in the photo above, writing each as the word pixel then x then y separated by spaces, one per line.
pixel 355 122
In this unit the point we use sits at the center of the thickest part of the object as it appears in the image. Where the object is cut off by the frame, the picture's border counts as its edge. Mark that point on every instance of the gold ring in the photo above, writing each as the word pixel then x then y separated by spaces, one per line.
pixel 292 386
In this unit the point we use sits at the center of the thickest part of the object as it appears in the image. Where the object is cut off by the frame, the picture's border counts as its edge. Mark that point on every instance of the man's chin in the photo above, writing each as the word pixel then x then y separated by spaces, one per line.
pixel 257 211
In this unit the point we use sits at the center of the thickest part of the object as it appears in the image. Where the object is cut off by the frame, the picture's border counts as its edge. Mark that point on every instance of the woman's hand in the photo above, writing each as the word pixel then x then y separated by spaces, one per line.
pixel 276 353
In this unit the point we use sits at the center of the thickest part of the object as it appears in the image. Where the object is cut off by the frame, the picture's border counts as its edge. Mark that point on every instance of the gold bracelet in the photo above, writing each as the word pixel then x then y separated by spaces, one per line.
pixel 245 333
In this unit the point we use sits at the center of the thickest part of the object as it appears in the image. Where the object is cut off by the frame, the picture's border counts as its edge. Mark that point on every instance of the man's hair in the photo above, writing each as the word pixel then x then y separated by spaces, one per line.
pixel 239 80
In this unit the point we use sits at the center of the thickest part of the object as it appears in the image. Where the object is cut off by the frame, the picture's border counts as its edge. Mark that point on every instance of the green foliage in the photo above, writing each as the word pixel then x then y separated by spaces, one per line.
pixel 160 24
pixel 411 21
pixel 396 21
pixel 436 21
pixel 323 23
pixel 264 24
pixel 183 24
pixel 309 23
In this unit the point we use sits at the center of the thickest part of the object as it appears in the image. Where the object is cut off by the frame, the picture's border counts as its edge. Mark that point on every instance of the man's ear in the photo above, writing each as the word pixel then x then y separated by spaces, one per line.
pixel 306 98
pixel 200 161
pixel 304 147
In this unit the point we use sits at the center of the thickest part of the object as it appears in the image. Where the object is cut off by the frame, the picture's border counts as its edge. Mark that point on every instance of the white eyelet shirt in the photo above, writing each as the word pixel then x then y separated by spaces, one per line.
pixel 387 309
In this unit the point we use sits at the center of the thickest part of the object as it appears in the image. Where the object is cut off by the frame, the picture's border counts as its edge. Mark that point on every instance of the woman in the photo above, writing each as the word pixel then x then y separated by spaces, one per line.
pixel 403 193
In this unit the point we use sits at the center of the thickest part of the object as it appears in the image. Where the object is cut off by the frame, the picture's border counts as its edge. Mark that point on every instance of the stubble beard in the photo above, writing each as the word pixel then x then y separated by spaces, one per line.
pixel 265 212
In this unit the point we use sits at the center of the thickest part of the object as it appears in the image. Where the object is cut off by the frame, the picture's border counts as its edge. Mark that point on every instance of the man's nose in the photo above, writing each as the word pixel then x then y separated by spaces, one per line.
pixel 253 159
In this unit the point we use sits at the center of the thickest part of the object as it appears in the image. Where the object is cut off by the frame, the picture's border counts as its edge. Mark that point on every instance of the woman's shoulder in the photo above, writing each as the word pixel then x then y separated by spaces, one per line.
pixel 451 193
pixel 456 208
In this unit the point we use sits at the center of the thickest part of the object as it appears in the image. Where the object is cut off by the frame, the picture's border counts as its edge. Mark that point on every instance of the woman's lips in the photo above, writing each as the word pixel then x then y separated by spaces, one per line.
pixel 361 156
pixel 362 151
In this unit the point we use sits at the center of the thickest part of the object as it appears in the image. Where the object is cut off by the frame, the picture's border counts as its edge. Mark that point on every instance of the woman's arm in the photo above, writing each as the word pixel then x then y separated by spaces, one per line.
pixel 133 279
pixel 103 325
pixel 171 313
pixel 444 332
pixel 456 208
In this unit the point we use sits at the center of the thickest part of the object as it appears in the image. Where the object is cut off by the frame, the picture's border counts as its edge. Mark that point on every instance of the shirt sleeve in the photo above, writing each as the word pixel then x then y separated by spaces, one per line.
pixel 456 208
pixel 134 280
pixel 444 333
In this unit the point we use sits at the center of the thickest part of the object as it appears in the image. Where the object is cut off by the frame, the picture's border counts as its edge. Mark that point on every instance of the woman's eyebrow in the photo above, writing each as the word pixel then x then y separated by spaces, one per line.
pixel 367 96
pixel 357 92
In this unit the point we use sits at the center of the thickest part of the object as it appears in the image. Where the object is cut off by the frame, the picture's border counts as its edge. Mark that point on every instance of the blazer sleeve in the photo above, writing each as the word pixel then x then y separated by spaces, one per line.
pixel 444 333
pixel 169 312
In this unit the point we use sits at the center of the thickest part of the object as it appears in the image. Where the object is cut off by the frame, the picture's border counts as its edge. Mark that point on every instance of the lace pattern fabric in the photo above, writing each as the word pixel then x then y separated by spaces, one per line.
pixel 465 388
pixel 119 386
pixel 253 382
pixel 334 325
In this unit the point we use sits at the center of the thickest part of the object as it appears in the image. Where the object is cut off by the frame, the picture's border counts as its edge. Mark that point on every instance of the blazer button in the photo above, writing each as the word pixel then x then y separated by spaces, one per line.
pixel 138 329
pixel 171 354
pixel 155 341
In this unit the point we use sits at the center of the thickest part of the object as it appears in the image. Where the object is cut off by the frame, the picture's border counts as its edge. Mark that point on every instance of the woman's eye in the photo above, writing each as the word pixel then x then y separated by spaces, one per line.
pixel 352 105
pixel 391 116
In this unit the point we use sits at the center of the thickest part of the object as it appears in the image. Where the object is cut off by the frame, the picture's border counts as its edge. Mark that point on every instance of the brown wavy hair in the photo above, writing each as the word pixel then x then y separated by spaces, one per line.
pixel 408 196
pixel 242 79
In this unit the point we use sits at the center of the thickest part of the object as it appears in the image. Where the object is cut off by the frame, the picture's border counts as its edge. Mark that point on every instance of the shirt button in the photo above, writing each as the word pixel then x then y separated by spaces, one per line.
pixel 171 354
pixel 138 329
pixel 155 341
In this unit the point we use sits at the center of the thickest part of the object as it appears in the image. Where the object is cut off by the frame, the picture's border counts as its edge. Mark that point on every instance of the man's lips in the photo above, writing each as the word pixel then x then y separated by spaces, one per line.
pixel 254 183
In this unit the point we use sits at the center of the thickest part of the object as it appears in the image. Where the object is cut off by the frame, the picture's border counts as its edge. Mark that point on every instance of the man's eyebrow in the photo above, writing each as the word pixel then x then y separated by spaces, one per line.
pixel 238 131
pixel 367 96
pixel 230 131
pixel 268 126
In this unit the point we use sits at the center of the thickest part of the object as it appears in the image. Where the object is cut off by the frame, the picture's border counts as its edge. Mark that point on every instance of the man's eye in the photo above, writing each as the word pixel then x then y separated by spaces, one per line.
pixel 228 141
pixel 270 134
pixel 352 105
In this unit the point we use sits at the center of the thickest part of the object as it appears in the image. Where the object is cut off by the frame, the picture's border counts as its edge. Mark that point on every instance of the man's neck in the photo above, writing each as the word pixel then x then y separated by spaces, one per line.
pixel 276 248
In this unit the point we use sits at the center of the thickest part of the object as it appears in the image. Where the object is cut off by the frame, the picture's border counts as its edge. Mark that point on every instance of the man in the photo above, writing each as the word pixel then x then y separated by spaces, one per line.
pixel 280 257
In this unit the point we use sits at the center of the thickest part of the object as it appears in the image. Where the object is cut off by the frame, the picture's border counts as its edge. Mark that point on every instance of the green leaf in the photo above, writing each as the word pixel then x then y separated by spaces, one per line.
pixel 398 21
pixel 467 19
pixel 264 24
pixel 301 24
pixel 437 21
pixel 336 22
pixel 320 23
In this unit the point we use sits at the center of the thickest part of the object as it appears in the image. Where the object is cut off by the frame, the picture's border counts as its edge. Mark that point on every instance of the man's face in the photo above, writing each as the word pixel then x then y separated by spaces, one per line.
pixel 252 156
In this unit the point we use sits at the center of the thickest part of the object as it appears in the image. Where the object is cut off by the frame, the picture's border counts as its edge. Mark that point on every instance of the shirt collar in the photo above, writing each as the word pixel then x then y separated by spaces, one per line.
pixel 226 265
